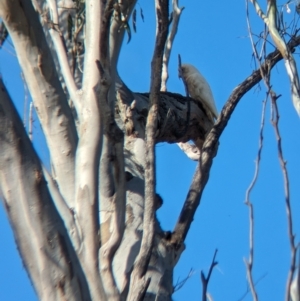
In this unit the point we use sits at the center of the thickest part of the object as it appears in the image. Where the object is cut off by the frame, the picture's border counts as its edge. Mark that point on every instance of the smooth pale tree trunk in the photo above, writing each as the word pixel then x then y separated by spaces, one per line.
pixel 87 229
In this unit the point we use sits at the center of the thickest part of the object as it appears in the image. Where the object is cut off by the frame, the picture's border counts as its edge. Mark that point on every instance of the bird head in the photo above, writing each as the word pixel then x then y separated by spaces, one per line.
pixel 186 70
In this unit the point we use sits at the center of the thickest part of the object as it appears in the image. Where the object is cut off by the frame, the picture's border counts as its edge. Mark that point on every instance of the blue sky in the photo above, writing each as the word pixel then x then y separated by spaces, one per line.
pixel 212 36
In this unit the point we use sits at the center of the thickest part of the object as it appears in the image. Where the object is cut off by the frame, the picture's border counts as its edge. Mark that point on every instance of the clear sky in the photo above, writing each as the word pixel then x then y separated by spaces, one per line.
pixel 212 36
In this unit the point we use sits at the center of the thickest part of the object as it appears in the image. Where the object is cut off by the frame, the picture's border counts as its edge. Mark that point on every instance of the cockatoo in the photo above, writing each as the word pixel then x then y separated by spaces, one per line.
pixel 199 89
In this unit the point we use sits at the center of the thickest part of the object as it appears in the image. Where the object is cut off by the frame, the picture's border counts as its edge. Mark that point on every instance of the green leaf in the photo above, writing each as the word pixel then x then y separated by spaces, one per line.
pixel 134 20
pixel 128 30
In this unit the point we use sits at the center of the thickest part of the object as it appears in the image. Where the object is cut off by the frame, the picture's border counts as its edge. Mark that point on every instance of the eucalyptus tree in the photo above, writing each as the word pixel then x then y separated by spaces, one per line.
pixel 87 229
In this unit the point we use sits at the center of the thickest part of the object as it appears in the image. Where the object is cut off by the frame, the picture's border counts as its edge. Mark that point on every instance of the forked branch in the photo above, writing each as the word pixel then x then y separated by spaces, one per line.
pixel 249 262
pixel 275 123
pixel 205 280
pixel 270 20
pixel 211 143
pixel 38 226
pixel 50 101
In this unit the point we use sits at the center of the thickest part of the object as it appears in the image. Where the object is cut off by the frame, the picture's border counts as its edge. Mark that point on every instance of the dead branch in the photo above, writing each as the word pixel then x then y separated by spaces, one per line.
pixel 248 290
pixel 205 280
pixel 181 283
pixel 270 20
pixel 209 149
pixel 249 262
pixel 291 236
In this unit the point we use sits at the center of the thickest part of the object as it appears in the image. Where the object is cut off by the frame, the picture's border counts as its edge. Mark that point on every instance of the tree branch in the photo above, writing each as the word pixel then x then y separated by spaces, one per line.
pixel 55 116
pixel 61 51
pixel 291 236
pixel 211 143
pixel 205 280
pixel 112 173
pixel 142 261
pixel 289 61
pixel 249 262
pixel 38 228
pixel 89 145
pixel 167 53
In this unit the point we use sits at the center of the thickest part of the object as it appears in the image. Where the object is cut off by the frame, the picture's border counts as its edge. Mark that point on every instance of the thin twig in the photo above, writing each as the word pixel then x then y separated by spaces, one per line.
pixel 25 100
pixel 275 123
pixel 181 283
pixel 249 263
pixel 30 121
pixel 205 280
pixel 248 290
pixel 271 21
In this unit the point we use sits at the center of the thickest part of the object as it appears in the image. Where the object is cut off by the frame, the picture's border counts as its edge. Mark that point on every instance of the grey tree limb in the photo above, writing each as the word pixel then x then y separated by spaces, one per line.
pixel 38 228
pixel 138 279
pixel 49 99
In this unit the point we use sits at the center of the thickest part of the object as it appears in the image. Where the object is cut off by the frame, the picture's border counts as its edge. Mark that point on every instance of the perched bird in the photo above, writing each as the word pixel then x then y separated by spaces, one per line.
pixel 199 89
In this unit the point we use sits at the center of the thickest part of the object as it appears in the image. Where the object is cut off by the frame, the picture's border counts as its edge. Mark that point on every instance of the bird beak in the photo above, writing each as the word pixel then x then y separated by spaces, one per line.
pixel 179 72
pixel 179 67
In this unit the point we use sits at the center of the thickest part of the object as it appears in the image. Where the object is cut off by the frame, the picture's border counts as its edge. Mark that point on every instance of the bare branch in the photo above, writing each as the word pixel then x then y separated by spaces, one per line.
pixel 275 123
pixel 141 263
pixel 55 116
pixel 168 48
pixel 94 89
pixel 249 263
pixel 248 290
pixel 112 171
pixel 259 11
pixel 211 143
pixel 112 195
pixel 181 283
pixel 289 61
pixel 61 51
pixel 38 228
pixel 205 280
pixel 112 219
pixel 117 31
